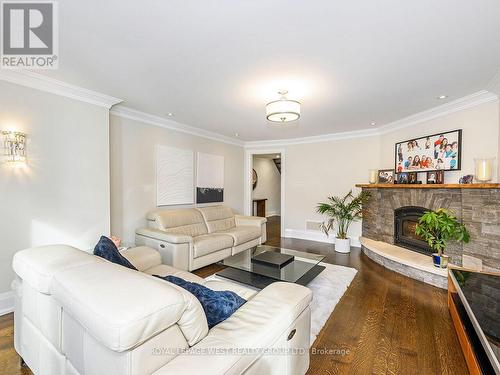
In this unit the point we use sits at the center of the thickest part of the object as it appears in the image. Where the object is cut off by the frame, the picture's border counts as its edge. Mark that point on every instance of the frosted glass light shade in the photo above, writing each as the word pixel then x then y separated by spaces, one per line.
pixel 283 110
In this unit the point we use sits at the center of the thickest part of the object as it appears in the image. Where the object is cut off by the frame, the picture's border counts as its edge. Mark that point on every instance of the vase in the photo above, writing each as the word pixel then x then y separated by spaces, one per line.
pixel 440 261
pixel 343 245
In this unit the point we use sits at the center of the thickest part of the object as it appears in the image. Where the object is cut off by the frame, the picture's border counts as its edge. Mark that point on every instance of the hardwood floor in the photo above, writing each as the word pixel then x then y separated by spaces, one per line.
pixel 384 324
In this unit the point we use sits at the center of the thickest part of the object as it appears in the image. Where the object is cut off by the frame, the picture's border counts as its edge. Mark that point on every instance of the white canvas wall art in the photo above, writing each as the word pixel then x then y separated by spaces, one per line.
pixel 174 176
pixel 210 178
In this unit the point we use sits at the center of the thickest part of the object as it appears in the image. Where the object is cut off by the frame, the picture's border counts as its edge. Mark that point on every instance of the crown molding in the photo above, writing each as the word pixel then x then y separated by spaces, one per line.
pixel 494 84
pixel 460 104
pixel 54 86
pixel 313 139
pixel 132 114
pixel 457 105
pixel 44 83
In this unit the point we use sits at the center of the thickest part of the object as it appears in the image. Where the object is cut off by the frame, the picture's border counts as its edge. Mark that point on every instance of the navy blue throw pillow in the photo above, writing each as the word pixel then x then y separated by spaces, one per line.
pixel 107 249
pixel 218 305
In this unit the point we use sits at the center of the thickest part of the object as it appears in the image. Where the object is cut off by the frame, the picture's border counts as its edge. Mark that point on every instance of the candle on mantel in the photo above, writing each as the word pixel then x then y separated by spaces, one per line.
pixel 484 168
pixel 373 176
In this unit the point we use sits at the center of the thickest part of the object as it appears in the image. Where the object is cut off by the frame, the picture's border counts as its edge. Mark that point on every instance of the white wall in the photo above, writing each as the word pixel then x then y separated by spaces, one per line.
pixel 268 184
pixel 133 171
pixel 315 171
pixel 62 194
pixel 480 136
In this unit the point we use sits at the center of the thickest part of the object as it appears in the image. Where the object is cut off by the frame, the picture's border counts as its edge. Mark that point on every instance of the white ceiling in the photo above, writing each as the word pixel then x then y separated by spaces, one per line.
pixel 215 64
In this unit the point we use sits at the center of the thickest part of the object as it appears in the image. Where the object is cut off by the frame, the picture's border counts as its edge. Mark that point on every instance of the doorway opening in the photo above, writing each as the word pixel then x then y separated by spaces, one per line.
pixel 265 190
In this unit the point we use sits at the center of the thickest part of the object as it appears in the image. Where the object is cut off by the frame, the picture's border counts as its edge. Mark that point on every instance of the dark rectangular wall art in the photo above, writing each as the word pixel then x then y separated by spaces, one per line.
pixel 209 195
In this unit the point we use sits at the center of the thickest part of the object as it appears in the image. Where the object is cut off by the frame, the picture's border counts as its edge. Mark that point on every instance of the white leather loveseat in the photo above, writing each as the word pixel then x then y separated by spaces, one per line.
pixel 195 237
pixel 76 313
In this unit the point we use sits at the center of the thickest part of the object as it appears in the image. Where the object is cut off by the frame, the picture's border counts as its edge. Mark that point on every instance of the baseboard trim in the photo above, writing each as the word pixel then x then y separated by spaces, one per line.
pixel 6 303
pixel 316 236
pixel 272 213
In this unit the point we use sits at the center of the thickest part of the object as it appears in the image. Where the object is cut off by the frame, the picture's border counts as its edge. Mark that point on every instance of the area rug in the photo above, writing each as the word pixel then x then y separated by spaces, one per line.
pixel 328 288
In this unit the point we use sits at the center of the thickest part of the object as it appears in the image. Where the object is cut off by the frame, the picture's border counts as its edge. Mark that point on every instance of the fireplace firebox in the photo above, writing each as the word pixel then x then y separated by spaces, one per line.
pixel 405 221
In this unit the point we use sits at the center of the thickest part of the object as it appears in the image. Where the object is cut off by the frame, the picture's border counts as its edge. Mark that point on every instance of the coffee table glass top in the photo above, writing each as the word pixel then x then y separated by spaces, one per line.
pixel 293 271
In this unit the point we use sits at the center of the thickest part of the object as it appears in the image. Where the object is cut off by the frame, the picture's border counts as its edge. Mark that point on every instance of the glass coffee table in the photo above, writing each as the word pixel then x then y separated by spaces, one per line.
pixel 243 267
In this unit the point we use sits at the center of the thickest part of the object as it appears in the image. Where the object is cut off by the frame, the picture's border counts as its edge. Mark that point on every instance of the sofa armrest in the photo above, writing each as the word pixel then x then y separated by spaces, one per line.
pixel 278 317
pixel 161 235
pixel 175 249
pixel 250 220
pixel 253 221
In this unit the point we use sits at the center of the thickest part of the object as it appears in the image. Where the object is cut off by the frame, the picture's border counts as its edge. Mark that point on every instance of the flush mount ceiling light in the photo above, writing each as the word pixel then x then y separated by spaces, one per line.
pixel 283 110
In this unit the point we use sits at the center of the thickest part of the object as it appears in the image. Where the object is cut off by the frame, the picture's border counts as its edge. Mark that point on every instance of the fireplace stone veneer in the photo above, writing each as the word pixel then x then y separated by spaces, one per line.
pixel 478 208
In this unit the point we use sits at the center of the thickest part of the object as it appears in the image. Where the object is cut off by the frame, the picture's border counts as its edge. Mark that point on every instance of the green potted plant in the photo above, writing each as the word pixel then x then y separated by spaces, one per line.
pixel 343 210
pixel 438 228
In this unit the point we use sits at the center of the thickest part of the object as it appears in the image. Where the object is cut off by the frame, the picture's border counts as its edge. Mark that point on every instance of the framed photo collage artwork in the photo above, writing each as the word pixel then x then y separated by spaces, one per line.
pixel 433 154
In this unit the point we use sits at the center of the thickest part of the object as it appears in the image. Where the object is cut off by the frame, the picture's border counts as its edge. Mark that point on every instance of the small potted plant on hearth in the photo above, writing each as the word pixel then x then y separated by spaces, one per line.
pixel 438 228
pixel 344 211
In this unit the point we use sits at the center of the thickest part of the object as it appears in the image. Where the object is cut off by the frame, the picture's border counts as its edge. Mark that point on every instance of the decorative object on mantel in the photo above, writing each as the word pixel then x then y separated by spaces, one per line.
pixel 403 178
pixel 372 178
pixel 430 186
pixel 484 169
pixel 14 144
pixel 435 177
pixel 412 178
pixel 386 176
pixel 344 211
pixel 467 179
pixel 440 151
pixel 438 228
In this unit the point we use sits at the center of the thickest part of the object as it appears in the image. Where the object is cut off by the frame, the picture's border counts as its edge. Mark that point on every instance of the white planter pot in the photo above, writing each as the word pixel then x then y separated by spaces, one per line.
pixel 343 245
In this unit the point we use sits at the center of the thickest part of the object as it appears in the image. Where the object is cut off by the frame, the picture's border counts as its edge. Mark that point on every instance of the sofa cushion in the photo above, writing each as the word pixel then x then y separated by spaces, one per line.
pixel 218 305
pixel 166 270
pixel 187 221
pixel 120 307
pixel 37 265
pixel 218 218
pixel 209 243
pixel 243 291
pixel 243 233
pixel 107 249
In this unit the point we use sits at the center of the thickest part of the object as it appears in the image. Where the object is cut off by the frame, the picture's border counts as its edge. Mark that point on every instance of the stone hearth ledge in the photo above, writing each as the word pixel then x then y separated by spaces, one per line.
pixel 406 262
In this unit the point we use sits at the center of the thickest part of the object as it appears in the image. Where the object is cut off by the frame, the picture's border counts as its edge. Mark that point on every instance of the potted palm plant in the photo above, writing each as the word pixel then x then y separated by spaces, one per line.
pixel 343 210
pixel 438 228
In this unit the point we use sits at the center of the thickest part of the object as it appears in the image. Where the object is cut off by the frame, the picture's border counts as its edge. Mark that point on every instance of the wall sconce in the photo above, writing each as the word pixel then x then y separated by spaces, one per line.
pixel 14 145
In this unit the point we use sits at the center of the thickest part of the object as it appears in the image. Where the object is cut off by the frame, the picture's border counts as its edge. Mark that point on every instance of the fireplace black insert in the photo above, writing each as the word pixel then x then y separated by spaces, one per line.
pixel 405 221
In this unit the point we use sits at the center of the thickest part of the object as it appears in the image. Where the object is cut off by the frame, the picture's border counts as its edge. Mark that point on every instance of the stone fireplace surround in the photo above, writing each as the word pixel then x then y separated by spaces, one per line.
pixel 478 206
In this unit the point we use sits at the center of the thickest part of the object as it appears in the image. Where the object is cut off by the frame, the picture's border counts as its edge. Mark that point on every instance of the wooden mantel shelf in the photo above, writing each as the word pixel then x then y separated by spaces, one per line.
pixel 429 186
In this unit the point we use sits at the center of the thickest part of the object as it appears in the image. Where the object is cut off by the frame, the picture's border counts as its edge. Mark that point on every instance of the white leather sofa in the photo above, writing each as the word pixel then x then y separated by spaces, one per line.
pixel 192 238
pixel 76 313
